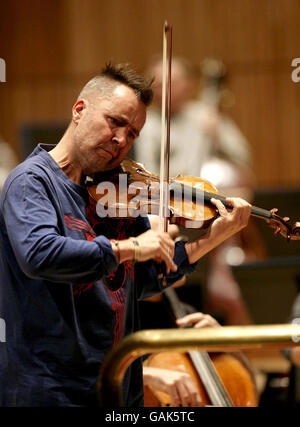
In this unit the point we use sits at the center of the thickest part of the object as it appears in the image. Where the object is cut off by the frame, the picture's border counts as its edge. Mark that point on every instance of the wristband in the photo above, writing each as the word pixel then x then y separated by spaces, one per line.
pixel 137 250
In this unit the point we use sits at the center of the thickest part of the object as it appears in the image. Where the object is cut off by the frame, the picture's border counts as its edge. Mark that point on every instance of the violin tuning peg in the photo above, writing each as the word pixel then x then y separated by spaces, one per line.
pixel 277 230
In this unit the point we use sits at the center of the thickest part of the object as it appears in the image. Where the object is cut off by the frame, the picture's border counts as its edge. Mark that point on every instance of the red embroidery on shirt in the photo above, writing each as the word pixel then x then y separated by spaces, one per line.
pixel 77 224
pixel 86 229
pixel 79 289
pixel 117 230
pixel 118 305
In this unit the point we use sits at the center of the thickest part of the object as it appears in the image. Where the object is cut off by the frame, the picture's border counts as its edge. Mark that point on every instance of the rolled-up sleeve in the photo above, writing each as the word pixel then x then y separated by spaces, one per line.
pixel 147 273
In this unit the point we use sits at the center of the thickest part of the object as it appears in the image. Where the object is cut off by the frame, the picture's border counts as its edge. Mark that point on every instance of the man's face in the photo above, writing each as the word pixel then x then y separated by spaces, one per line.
pixel 106 128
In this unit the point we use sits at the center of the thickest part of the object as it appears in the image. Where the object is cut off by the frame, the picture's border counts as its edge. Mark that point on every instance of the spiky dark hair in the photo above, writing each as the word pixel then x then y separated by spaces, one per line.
pixel 126 74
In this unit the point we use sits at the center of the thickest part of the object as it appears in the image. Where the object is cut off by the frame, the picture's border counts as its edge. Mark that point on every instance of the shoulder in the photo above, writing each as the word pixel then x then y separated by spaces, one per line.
pixel 34 168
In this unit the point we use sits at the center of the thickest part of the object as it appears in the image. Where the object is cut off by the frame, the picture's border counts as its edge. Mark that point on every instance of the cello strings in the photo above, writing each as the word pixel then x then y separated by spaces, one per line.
pixel 201 361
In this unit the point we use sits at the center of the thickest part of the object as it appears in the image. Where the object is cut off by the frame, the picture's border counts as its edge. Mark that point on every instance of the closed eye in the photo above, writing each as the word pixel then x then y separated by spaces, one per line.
pixel 117 122
pixel 121 123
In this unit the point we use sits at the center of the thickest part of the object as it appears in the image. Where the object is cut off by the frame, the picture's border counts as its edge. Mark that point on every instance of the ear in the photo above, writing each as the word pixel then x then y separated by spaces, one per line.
pixel 78 110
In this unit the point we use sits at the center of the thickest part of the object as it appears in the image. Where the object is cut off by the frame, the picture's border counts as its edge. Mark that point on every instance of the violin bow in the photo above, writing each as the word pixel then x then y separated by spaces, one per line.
pixel 165 127
pixel 165 130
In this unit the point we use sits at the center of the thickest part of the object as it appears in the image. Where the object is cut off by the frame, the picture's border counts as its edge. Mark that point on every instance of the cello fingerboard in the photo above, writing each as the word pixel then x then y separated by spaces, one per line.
pixel 201 361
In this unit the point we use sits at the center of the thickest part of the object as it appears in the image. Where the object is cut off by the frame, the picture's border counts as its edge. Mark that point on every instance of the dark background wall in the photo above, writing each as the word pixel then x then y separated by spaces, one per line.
pixel 51 47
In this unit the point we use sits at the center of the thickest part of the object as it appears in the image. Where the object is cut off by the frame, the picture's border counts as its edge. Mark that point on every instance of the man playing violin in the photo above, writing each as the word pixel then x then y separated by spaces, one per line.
pixel 70 281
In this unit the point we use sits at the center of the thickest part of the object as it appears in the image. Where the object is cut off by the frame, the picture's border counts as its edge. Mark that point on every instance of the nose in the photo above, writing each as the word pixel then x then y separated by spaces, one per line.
pixel 120 137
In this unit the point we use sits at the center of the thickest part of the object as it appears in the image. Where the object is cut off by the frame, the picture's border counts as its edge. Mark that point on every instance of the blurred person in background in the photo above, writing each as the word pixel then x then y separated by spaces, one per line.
pixel 205 142
pixel 230 169
pixel 186 147
pixel 199 129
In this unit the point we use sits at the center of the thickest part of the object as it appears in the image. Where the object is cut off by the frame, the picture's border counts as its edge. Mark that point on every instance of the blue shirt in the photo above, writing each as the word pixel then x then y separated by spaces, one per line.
pixel 64 298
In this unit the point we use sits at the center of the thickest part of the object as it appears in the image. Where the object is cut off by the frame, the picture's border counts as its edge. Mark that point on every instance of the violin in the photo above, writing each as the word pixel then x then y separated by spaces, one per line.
pixel 132 190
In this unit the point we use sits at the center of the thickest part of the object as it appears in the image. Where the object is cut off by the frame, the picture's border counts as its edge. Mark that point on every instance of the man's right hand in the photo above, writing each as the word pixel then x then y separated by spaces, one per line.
pixel 152 245
pixel 157 246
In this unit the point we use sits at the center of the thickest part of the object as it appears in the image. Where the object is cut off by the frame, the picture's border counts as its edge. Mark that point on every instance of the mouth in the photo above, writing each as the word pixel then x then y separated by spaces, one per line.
pixel 110 153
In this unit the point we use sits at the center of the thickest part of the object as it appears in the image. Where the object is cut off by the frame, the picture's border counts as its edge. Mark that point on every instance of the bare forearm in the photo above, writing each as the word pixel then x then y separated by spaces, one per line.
pixel 198 248
pixel 226 225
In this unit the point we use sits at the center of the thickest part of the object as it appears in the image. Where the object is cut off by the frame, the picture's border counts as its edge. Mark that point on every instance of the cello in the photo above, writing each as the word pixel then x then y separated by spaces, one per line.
pixel 222 379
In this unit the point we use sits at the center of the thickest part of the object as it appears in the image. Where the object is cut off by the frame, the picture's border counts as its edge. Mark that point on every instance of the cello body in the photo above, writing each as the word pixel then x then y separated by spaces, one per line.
pixel 234 375
pixel 222 379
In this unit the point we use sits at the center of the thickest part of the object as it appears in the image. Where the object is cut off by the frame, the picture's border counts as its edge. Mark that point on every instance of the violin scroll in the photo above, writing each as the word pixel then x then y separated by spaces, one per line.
pixel 283 226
